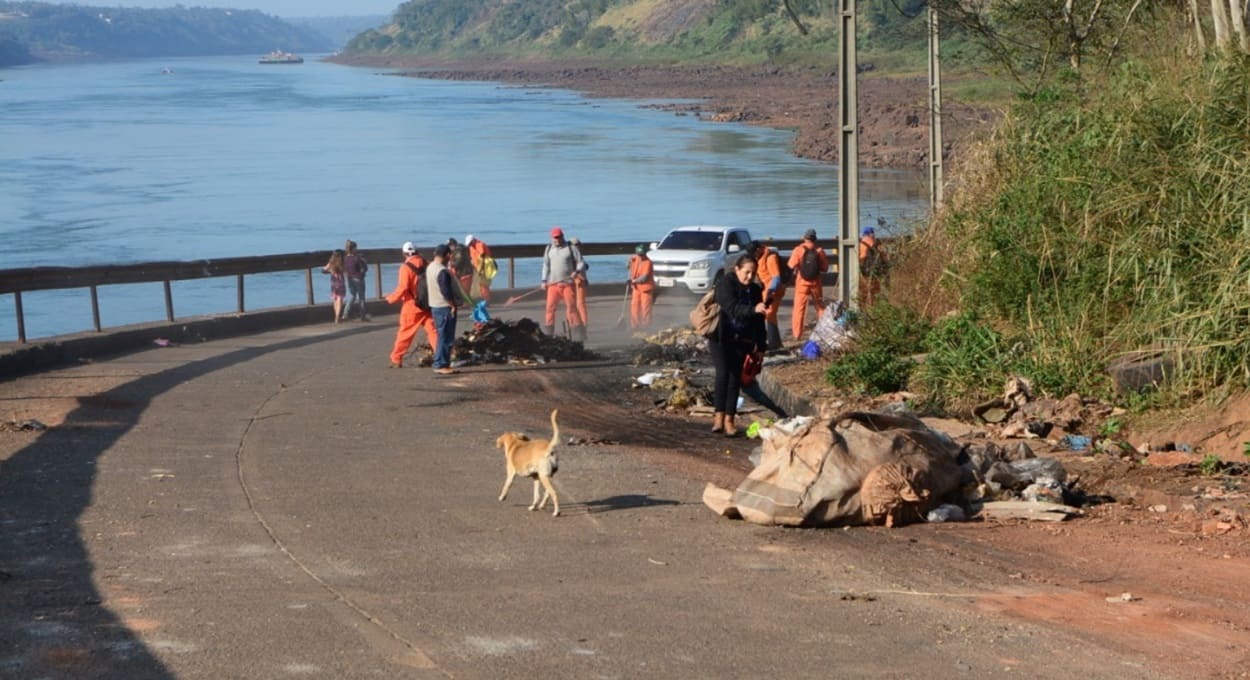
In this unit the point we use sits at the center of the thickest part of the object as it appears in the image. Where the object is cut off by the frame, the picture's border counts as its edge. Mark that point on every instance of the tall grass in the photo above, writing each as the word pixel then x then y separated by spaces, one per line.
pixel 1103 218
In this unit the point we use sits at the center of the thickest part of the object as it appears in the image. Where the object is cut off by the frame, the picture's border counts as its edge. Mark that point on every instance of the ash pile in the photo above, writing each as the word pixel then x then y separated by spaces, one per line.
pixel 672 346
pixel 515 342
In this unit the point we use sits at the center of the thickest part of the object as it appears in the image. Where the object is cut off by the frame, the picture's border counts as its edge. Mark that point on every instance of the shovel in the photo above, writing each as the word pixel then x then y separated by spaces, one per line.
pixel 526 294
pixel 620 322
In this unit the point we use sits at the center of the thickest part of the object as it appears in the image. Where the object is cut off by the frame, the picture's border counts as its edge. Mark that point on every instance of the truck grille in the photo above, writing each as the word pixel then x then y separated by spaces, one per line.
pixel 674 270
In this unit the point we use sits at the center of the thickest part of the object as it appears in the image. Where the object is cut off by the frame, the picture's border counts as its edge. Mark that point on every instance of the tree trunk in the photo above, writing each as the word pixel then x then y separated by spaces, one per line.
pixel 1202 39
pixel 1219 17
pixel 1239 25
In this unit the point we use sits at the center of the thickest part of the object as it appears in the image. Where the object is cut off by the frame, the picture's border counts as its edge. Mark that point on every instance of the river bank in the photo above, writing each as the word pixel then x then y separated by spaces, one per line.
pixel 893 113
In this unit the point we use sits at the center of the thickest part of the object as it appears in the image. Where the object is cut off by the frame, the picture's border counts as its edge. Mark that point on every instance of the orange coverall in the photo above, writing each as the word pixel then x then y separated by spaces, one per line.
pixel 804 290
pixel 642 280
pixel 411 317
pixel 478 250
pixel 579 296
pixel 869 286
pixel 768 267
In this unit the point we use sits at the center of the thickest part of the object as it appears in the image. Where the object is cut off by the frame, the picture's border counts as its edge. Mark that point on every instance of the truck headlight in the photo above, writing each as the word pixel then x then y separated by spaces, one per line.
pixel 700 264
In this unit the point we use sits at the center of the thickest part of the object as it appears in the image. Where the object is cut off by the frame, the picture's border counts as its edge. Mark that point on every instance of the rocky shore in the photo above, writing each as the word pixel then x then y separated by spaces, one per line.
pixel 893 115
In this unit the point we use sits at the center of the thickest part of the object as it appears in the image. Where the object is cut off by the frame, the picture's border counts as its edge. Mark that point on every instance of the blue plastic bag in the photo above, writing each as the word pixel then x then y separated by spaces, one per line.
pixel 480 313
pixel 811 350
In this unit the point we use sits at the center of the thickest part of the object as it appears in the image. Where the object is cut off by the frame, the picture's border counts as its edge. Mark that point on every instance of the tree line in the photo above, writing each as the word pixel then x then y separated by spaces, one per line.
pixel 32 31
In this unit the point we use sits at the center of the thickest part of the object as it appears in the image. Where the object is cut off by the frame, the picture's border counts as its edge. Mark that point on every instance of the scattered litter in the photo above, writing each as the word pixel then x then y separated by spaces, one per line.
pixel 1031 510
pixel 1123 597
pixel 647 378
pixel 1158 508
pixel 591 441
pixel 1075 442
pixel 22 426
pixel 657 562
pixel 946 513
pixel 162 342
pixel 520 341
pixel 672 345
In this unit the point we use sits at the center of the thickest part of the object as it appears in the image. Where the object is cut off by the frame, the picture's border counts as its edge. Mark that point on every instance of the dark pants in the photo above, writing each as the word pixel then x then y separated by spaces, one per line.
pixel 445 323
pixel 728 358
pixel 357 289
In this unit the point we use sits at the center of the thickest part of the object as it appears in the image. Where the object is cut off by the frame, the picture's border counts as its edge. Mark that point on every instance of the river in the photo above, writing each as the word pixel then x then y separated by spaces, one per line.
pixel 196 158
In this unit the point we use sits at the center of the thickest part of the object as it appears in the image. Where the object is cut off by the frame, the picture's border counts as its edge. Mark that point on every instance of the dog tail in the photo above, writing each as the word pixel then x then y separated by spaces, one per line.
pixel 555 431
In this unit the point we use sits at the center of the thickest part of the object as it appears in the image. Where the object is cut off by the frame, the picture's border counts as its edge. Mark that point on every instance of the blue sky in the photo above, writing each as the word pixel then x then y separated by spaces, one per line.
pixel 282 8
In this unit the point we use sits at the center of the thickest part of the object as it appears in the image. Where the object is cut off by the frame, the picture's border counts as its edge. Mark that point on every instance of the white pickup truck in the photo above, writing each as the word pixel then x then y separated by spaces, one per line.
pixel 696 257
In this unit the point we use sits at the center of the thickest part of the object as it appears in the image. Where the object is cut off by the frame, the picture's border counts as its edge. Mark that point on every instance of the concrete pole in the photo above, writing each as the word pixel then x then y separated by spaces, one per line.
pixel 848 159
pixel 935 113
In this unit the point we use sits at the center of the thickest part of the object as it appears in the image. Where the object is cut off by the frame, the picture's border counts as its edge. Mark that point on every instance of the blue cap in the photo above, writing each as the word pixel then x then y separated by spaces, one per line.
pixel 867 231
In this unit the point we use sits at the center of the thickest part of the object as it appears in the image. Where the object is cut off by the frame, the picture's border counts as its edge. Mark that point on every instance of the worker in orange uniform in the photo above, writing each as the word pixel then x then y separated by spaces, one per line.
pixel 580 285
pixel 769 270
pixel 478 252
pixel 561 261
pixel 415 313
pixel 461 266
pixel 642 287
pixel 808 262
pixel 872 266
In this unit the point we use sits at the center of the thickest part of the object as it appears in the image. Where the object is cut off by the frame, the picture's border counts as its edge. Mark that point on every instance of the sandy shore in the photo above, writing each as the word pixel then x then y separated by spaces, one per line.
pixel 893 116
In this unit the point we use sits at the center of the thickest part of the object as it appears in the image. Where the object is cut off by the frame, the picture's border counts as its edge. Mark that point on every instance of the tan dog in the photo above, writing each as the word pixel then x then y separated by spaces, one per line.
pixel 534 458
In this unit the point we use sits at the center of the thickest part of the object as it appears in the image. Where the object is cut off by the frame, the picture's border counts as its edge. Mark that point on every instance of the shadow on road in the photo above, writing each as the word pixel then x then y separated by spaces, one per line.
pixel 626 502
pixel 54 623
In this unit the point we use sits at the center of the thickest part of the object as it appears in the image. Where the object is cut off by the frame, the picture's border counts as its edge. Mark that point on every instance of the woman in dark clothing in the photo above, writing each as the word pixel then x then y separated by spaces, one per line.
pixel 741 329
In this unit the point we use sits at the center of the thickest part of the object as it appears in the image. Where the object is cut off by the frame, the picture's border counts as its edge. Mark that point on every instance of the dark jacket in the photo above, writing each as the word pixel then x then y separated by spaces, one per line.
pixel 738 319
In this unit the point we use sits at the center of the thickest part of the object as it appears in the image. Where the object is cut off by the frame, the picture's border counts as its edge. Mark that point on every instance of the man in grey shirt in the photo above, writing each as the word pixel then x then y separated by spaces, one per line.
pixel 560 262
pixel 444 296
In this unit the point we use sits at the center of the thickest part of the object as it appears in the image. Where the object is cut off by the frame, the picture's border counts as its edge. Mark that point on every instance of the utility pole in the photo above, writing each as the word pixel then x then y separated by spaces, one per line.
pixel 848 159
pixel 935 112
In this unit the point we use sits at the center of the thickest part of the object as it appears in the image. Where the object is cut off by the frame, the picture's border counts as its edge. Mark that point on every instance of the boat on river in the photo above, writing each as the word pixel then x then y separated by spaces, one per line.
pixel 280 57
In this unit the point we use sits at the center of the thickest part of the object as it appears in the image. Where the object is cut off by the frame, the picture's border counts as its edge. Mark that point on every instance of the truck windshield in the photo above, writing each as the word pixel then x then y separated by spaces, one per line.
pixel 692 240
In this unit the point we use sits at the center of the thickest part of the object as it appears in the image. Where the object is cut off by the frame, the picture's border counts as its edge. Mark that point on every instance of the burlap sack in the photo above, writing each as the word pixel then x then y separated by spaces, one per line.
pixel 856 468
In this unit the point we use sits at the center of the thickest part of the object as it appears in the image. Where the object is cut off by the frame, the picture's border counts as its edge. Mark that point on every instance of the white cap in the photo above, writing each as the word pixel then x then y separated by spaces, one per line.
pixel 468 239
pixel 409 249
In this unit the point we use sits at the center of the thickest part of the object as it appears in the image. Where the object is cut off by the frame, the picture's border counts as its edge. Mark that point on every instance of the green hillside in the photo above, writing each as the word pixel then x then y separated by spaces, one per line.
pixel 713 30
pixel 33 31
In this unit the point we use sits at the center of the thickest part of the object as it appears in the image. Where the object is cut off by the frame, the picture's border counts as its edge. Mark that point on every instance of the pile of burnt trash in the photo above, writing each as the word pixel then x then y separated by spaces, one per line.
pixel 515 342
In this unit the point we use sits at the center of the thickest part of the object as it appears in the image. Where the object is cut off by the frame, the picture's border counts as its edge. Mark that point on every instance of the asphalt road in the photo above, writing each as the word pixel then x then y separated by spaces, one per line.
pixel 284 505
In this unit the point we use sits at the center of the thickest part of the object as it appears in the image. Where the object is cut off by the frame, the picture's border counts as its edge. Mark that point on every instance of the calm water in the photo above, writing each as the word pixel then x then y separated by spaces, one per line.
pixel 121 162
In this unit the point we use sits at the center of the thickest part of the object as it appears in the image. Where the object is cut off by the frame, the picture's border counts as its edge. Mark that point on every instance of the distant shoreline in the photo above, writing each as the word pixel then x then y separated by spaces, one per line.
pixel 893 112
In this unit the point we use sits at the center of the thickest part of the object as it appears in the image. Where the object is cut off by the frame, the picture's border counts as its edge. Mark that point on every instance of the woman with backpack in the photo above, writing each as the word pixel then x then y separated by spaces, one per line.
pixel 739 332
pixel 809 263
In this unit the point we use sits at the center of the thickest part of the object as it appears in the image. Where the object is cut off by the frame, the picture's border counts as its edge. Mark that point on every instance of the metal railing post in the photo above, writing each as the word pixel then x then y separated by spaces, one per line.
pixel 21 318
pixel 308 285
pixel 512 272
pixel 95 310
pixel 240 279
pixel 169 301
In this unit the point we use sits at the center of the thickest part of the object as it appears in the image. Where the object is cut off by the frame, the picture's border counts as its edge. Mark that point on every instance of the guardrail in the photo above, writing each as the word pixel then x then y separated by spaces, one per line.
pixel 18 281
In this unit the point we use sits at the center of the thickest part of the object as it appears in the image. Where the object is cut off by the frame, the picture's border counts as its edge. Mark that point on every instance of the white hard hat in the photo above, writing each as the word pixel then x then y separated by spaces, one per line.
pixel 468 239
pixel 409 249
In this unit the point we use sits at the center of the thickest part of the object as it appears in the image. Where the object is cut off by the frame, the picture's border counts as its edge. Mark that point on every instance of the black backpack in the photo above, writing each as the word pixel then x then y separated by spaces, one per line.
pixel 422 294
pixel 809 266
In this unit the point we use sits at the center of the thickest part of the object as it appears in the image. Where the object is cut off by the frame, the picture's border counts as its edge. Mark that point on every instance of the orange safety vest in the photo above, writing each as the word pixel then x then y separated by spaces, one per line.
pixel 640 266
